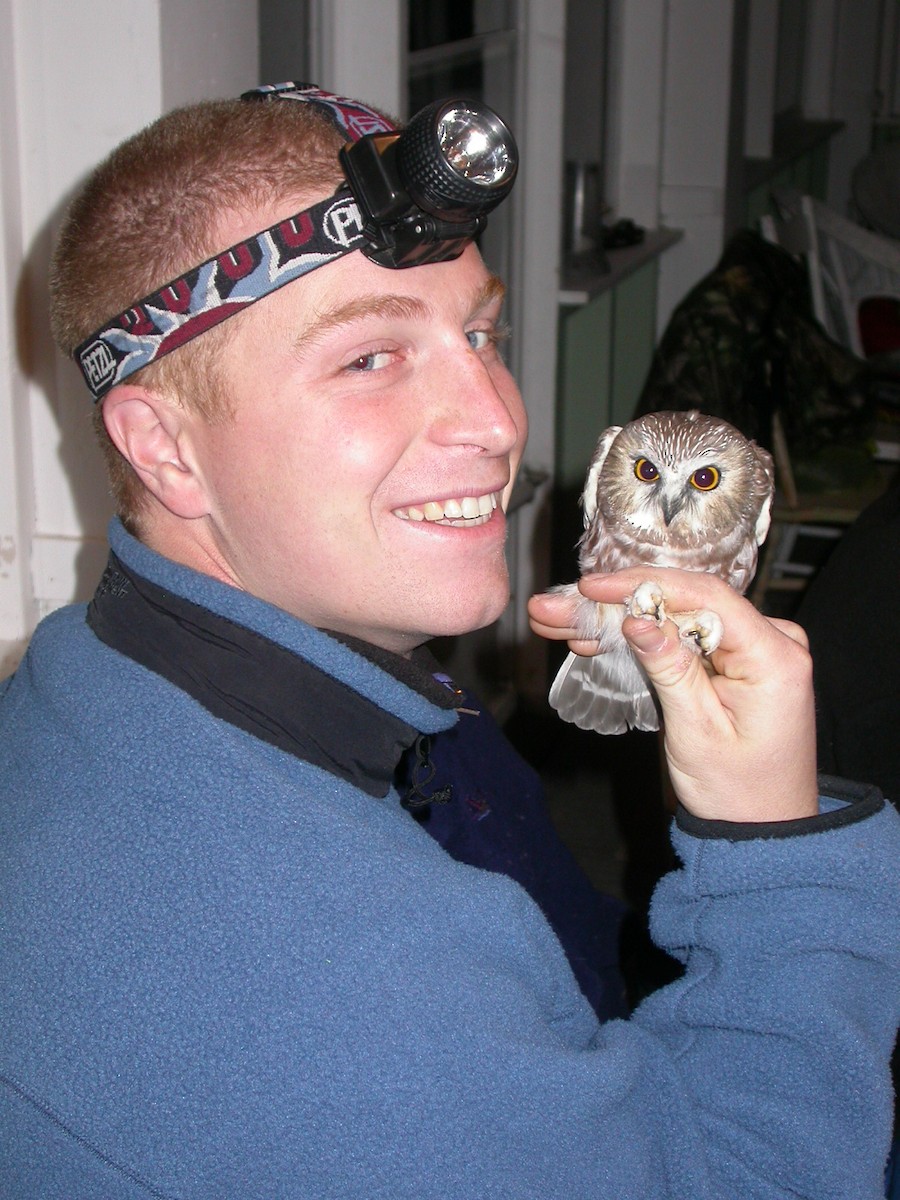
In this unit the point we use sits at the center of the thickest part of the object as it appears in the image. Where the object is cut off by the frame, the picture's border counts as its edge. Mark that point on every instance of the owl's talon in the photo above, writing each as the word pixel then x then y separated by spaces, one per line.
pixel 705 629
pixel 647 602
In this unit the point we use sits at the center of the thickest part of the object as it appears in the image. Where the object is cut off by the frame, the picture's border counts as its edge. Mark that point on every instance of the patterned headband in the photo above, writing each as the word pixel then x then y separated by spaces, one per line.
pixel 230 281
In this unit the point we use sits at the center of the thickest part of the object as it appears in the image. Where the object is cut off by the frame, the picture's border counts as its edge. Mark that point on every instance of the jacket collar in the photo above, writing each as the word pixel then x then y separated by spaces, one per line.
pixel 354 720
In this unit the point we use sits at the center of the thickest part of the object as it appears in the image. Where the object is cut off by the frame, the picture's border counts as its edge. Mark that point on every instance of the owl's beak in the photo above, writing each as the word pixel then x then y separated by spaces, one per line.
pixel 671 507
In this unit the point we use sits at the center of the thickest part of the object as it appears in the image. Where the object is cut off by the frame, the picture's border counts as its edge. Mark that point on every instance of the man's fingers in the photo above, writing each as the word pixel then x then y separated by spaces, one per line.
pixel 555 633
pixel 795 632
pixel 584 648
pixel 739 722
pixel 687 591
pixel 665 658
pixel 552 615
pixel 677 673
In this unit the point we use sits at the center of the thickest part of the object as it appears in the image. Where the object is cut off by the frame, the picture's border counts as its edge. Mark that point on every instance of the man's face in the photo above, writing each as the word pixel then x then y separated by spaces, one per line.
pixel 361 484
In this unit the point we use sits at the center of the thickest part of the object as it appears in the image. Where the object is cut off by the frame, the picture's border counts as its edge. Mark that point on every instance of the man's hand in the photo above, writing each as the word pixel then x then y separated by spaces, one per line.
pixel 739 724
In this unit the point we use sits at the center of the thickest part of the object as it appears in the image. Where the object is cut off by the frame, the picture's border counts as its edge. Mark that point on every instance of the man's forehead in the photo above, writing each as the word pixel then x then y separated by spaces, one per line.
pixel 402 198
pixel 392 301
pixel 233 225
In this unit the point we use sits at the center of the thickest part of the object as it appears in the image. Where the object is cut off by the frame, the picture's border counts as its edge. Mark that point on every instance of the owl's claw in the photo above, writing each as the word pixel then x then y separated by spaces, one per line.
pixel 702 629
pixel 647 602
pixel 705 629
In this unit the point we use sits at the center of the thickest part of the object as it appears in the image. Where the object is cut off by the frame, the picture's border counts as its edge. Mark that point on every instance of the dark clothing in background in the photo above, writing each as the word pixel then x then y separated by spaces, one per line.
pixel 744 345
pixel 851 612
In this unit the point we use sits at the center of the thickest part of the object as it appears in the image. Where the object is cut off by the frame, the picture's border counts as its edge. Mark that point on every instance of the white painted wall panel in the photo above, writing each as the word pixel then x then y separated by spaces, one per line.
pixel 636 113
pixel 76 79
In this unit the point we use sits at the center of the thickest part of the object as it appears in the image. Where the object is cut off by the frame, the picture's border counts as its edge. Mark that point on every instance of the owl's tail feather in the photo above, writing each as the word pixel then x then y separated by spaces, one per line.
pixel 591 693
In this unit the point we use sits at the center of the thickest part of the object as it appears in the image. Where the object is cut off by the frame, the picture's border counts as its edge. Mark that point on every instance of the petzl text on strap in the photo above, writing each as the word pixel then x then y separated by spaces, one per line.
pixel 228 282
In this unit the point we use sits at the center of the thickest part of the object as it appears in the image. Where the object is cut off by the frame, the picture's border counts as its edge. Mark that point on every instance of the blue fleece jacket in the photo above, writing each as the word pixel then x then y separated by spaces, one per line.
pixel 226 972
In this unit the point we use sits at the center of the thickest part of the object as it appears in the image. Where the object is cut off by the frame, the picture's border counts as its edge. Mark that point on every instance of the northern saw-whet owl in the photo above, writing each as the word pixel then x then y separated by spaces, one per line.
pixel 670 489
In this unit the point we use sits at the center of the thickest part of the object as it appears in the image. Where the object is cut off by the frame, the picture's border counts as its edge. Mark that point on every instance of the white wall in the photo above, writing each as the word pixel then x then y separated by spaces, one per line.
pixel 358 49
pixel 694 88
pixel 636 108
pixel 696 149
pixel 540 138
pixel 77 78
pixel 16 491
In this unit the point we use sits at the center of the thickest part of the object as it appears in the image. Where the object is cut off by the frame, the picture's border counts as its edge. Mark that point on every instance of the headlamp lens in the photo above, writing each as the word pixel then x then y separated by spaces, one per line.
pixel 456 160
pixel 474 146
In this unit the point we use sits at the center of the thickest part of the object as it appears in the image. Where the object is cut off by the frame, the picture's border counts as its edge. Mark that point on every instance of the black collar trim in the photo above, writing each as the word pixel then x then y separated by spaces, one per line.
pixel 257 685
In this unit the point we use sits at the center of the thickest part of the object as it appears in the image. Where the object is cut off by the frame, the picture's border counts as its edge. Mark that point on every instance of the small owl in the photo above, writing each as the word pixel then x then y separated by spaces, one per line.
pixel 670 489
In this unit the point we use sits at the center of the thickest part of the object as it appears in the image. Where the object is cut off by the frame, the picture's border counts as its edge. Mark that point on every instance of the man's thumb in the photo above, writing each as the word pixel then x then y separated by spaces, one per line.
pixel 670 664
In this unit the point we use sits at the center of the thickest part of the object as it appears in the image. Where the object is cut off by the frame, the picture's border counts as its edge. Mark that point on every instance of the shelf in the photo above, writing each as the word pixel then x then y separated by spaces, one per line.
pixel 581 283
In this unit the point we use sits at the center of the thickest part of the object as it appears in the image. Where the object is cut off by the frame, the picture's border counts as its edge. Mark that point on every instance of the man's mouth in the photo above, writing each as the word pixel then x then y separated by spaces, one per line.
pixel 466 511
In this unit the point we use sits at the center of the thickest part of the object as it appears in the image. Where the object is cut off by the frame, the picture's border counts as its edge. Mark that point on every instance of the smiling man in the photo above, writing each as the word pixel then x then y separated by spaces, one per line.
pixel 376 457
pixel 232 963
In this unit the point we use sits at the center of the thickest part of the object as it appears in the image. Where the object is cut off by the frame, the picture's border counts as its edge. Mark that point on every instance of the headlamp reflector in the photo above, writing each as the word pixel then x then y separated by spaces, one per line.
pixel 457 160
pixel 473 146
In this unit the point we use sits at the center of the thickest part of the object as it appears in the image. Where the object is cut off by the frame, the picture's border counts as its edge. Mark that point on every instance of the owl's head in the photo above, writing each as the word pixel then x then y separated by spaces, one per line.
pixel 679 477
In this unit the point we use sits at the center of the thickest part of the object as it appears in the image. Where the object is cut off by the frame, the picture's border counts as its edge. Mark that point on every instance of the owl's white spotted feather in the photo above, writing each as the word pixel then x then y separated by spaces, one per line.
pixel 670 489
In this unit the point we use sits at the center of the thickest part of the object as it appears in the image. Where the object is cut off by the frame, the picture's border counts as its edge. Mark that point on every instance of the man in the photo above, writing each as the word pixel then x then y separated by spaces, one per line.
pixel 233 964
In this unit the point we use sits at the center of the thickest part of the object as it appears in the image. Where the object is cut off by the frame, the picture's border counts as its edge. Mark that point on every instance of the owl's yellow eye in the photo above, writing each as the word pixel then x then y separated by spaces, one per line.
pixel 704 479
pixel 645 471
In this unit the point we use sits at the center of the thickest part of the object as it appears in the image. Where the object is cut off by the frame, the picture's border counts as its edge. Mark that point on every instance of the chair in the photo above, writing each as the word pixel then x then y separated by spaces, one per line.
pixel 847 265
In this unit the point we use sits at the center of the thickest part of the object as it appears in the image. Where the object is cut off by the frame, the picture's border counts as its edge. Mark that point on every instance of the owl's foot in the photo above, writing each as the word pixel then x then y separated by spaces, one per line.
pixel 704 629
pixel 647 602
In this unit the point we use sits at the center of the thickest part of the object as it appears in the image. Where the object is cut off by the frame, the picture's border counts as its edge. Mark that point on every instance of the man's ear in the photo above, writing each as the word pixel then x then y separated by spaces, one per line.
pixel 149 430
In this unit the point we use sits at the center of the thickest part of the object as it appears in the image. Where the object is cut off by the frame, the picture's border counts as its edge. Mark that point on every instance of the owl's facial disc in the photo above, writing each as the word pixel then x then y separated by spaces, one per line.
pixel 673 490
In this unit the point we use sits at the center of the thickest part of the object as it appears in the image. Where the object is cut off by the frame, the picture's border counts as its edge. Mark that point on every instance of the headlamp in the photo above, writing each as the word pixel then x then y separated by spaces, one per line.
pixel 426 192
pixel 412 196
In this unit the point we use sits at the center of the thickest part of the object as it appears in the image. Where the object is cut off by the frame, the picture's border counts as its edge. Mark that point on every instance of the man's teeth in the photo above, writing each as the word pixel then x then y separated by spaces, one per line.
pixel 467 510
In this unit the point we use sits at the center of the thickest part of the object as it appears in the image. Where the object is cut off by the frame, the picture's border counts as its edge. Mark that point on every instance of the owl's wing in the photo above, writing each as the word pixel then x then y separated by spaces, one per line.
pixel 763 520
pixel 606 693
pixel 765 482
pixel 589 495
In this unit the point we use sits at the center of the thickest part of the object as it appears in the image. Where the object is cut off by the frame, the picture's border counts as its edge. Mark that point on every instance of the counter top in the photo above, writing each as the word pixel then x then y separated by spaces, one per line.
pixel 582 281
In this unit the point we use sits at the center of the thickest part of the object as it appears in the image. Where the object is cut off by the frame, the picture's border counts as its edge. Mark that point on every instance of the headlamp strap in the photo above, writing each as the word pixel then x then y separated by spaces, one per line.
pixel 217 289
pixel 230 281
pixel 352 119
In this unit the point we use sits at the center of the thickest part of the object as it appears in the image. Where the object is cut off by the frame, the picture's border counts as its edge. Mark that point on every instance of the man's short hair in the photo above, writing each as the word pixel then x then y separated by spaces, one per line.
pixel 154 208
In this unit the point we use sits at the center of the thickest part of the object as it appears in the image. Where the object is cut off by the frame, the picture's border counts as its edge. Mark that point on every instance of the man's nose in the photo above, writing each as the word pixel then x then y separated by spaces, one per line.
pixel 479 407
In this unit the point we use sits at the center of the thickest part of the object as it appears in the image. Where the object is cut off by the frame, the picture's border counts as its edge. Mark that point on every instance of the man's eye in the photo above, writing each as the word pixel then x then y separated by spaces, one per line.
pixel 480 339
pixel 373 361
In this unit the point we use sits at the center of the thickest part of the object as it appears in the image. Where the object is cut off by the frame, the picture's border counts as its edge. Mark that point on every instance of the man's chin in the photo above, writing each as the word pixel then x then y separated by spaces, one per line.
pixel 470 618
